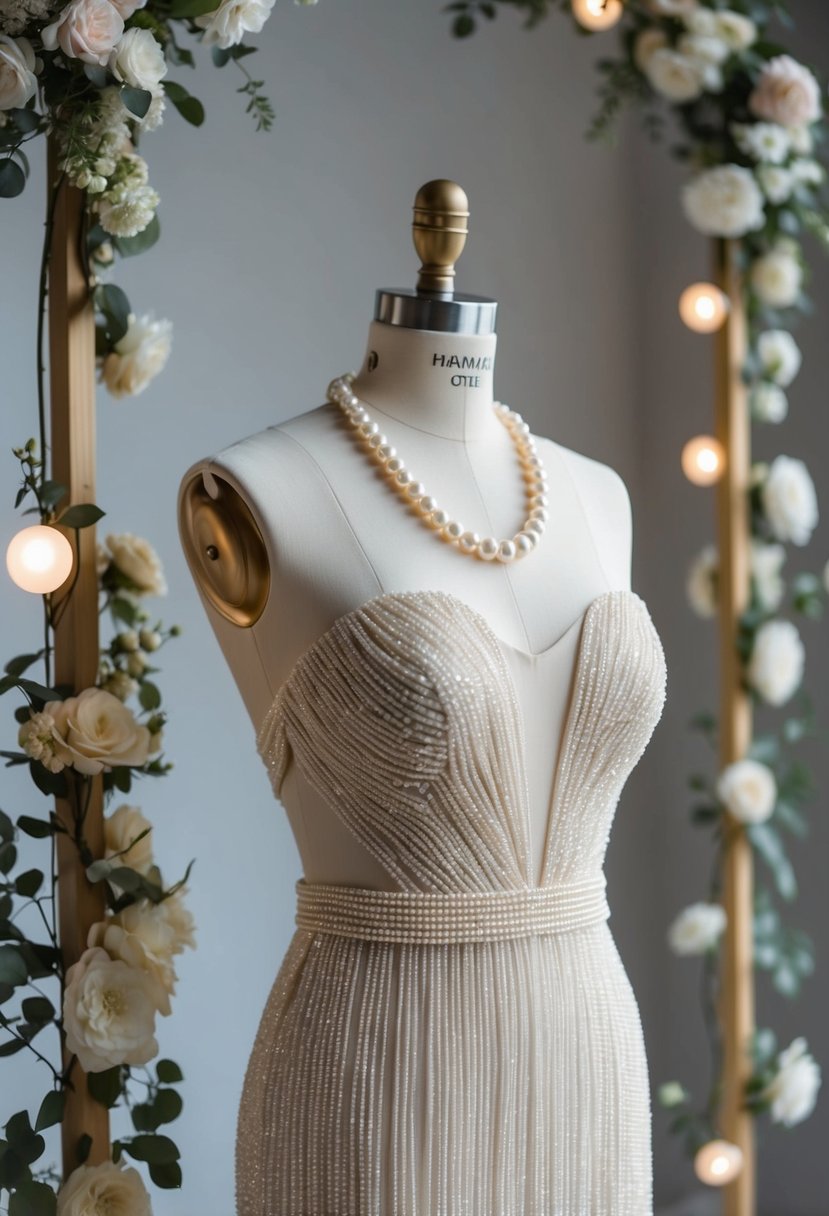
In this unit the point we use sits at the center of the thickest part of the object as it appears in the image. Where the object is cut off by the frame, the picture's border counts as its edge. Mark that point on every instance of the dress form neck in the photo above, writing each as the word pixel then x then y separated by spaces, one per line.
pixel 437 383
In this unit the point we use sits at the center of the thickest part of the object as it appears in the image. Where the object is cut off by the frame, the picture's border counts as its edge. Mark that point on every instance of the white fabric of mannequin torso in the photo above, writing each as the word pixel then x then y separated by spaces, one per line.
pixel 337 535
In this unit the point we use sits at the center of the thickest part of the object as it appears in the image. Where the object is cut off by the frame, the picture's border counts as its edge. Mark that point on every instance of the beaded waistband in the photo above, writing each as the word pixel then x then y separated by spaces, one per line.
pixel 426 917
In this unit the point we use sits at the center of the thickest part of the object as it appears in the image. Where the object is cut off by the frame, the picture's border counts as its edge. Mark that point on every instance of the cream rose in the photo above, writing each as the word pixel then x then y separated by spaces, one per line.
pixel 738 31
pixel 673 75
pixel 724 201
pixel 790 501
pixel 793 1091
pixel 138 561
pixel 95 732
pixel 86 29
pixel 120 829
pixel 114 1189
pixel 701 584
pixel 775 670
pixel 119 943
pixel 787 93
pixel 777 184
pixel 109 1012
pixel 165 929
pixel 777 277
pixel 769 403
pixel 138 358
pixel 748 791
pixel 697 929
pixel 779 356
pixel 648 41
pixel 766 565
pixel 17 72
pixel 227 25
pixel 138 60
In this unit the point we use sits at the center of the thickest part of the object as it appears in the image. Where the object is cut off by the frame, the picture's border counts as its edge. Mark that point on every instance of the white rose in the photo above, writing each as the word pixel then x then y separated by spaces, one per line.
pixel 139 356
pixel 138 561
pixel 86 29
pixel 227 25
pixel 127 7
pixel 109 1012
pixel 113 1188
pixel 127 947
pixel 724 201
pixel 120 829
pixel 648 41
pixel 765 141
pixel 180 919
pixel 673 75
pixel 95 732
pixel 17 72
pixel 697 929
pixel 766 565
pixel 790 501
pixel 701 584
pixel 777 277
pixel 706 48
pixel 138 60
pixel 748 791
pixel 779 356
pixel 735 29
pixel 165 929
pixel 776 183
pixel 701 21
pixel 802 140
pixel 775 669
pixel 787 93
pixel 769 403
pixel 806 171
pixel 794 1089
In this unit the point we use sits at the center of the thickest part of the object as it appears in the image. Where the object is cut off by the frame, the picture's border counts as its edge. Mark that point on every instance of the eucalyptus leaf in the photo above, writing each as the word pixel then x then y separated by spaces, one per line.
pixel 33 1199
pixel 37 1010
pixel 129 246
pixel 37 828
pixel 51 1109
pixel 28 883
pixel 190 108
pixel 168 1072
pixel 81 515
pixel 13 969
pixel 53 784
pixel 12 179
pixel 158 1150
pixel 166 1175
pixel 137 101
pixel 105 1087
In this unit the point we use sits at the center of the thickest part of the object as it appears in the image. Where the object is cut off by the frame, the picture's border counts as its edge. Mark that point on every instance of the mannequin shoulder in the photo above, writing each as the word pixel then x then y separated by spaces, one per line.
pixel 606 502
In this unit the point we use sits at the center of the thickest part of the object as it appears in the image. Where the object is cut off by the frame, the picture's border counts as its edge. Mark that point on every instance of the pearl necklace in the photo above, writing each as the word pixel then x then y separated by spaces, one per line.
pixel 414 493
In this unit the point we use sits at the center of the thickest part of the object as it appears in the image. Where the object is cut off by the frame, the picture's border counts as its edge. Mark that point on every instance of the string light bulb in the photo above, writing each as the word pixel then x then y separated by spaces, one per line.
pixel 597 14
pixel 718 1162
pixel 703 460
pixel 703 307
pixel 39 559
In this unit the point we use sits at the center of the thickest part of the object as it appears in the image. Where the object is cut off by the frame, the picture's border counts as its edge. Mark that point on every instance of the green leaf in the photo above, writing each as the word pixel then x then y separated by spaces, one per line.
pixel 53 784
pixel 188 107
pixel 166 1107
pixel 168 1072
pixel 97 74
pixel 128 246
pixel 191 8
pixel 37 1009
pixel 12 1169
pixel 8 857
pixel 137 101
pixel 13 969
pixel 33 1199
pixel 768 844
pixel 51 1110
pixel 166 1175
pixel 16 666
pixel 149 695
pixel 12 179
pixel 27 1144
pixel 12 1047
pixel 38 828
pixel 82 1148
pixel 105 1087
pixel 157 1150
pixel 82 515
pixel 26 121
pixel 40 692
pixel 28 883
pixel 112 302
pixel 6 827
pixel 463 26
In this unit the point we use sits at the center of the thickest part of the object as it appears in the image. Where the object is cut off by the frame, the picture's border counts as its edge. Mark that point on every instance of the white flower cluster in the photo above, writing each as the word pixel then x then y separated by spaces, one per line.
pixel 697 929
pixel 792 1092
pixel 683 70
pixel 766 566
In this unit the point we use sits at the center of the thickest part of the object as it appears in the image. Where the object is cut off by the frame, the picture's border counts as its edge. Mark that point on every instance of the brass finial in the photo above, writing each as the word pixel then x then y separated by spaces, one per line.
pixel 439 228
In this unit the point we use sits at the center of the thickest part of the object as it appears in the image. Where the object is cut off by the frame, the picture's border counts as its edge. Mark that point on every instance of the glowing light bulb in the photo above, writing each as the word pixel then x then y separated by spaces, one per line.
pixel 703 460
pixel 703 307
pixel 597 14
pixel 718 1162
pixel 39 559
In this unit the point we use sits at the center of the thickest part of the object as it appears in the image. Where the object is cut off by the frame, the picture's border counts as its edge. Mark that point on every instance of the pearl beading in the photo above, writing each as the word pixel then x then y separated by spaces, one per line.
pixel 415 494
pixel 443 917
pixel 453 1078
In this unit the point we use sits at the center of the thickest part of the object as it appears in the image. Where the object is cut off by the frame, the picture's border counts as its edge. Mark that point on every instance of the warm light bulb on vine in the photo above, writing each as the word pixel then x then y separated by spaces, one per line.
pixel 703 460
pixel 703 307
pixel 718 1162
pixel 39 559
pixel 597 14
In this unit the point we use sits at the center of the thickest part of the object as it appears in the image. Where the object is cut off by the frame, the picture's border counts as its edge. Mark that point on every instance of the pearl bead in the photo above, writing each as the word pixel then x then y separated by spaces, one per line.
pixel 341 393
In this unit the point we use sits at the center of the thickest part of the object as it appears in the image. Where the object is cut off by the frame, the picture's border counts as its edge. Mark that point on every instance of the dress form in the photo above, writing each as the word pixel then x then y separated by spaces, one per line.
pixel 326 534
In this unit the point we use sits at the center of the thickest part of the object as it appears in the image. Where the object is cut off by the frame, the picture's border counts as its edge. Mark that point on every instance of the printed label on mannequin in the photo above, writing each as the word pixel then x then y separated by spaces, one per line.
pixel 478 363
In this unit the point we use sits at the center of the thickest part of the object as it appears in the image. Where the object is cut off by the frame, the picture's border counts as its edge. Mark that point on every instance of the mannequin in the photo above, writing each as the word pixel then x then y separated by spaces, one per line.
pixel 288 529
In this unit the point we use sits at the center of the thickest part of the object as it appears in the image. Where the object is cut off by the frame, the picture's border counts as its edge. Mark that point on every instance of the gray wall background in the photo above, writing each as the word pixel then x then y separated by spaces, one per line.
pixel 272 250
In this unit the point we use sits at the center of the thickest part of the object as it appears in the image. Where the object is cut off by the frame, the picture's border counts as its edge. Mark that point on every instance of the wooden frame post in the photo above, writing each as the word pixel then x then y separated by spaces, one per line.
pixel 735 726
pixel 72 441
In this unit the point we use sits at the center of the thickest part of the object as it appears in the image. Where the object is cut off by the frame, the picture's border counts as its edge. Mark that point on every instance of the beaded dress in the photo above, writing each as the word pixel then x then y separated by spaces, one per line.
pixel 465 1042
